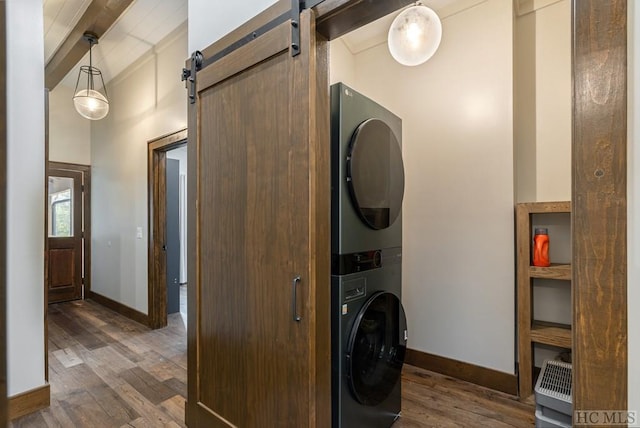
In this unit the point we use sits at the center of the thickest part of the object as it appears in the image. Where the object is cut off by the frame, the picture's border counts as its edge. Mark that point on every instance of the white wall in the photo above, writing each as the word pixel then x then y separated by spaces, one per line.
pixel 209 20
pixel 633 240
pixel 543 103
pixel 146 101
pixel 458 243
pixel 342 64
pixel 542 140
pixel 69 133
pixel 25 195
pixel 553 102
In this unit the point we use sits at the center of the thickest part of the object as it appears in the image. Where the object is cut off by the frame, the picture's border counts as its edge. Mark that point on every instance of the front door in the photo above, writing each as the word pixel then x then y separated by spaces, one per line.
pixel 259 339
pixel 64 235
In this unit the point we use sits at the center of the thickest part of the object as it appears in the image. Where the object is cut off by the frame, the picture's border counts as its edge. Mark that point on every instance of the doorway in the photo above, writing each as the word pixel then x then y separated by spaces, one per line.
pixel 167 163
pixel 68 231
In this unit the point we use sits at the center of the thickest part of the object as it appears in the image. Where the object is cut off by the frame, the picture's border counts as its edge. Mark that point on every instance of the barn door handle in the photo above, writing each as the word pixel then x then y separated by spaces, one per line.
pixel 294 301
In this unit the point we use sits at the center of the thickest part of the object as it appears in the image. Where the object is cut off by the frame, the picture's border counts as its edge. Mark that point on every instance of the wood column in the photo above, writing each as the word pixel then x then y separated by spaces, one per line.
pixel 599 217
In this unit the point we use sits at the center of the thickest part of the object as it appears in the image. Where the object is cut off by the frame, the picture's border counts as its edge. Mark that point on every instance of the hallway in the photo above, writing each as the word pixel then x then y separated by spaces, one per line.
pixel 108 371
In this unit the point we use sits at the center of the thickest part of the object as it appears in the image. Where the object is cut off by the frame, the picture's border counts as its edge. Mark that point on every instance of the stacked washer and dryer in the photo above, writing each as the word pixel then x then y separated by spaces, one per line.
pixel 368 324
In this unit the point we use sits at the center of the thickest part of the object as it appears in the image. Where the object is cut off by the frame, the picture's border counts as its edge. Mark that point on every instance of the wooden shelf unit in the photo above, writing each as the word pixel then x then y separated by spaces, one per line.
pixel 531 331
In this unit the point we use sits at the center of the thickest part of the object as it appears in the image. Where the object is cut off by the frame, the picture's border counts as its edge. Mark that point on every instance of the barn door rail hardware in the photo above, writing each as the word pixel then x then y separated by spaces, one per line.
pixel 198 62
pixel 190 75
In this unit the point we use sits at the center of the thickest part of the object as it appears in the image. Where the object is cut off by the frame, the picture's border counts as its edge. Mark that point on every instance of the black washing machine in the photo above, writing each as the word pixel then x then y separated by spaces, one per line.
pixel 369 338
pixel 368 324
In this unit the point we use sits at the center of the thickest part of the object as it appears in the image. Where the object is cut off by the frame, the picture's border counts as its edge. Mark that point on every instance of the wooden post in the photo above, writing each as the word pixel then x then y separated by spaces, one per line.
pixel 599 216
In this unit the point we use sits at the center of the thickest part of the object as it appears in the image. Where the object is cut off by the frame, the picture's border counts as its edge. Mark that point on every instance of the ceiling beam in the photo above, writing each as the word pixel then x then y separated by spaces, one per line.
pixel 98 18
pixel 335 18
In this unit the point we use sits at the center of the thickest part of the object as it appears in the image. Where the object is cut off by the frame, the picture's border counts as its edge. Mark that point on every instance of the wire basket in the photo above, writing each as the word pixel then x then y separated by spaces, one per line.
pixel 553 388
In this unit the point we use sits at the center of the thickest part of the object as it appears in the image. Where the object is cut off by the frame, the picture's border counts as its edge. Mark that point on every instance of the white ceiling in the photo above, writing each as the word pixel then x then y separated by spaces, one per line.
pixel 376 32
pixel 138 30
pixel 60 16
pixel 146 22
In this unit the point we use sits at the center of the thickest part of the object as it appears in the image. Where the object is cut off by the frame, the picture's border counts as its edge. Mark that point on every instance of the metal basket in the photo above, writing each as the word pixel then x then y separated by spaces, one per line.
pixel 553 388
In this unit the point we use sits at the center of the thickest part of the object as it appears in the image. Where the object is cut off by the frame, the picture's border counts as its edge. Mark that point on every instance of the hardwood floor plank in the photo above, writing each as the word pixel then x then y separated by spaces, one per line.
pixel 67 357
pixel 153 414
pixel 35 420
pixel 165 369
pixel 118 409
pixel 55 416
pixel 84 411
pixel 174 406
pixel 177 385
pixel 75 329
pixel 153 390
pixel 108 371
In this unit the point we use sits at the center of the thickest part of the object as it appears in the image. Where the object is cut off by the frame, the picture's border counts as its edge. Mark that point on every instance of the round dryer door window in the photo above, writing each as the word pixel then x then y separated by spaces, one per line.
pixel 376 349
pixel 375 173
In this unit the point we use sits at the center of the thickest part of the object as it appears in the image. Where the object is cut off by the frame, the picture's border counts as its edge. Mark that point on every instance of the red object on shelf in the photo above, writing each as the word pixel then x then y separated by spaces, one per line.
pixel 541 248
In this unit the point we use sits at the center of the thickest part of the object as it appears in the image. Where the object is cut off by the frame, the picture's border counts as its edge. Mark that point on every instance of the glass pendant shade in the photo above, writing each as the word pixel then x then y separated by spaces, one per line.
pixel 415 35
pixel 91 104
pixel 88 101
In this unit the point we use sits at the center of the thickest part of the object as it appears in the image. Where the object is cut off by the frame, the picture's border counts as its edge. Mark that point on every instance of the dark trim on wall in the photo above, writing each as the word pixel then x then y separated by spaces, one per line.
pixel 46 235
pixel 29 401
pixel 3 216
pixel 157 259
pixel 118 307
pixel 336 18
pixel 599 216
pixel 478 375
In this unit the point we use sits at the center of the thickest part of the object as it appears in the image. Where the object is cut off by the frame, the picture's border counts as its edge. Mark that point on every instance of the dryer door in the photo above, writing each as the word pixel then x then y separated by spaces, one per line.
pixel 375 174
pixel 376 348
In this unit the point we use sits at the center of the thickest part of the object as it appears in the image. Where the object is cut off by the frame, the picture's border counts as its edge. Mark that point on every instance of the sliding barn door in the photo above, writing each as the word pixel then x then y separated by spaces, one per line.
pixel 259 330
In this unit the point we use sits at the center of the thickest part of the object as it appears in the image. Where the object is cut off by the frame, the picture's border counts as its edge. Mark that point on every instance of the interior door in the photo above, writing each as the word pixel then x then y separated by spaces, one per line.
pixel 259 331
pixel 64 235
pixel 172 234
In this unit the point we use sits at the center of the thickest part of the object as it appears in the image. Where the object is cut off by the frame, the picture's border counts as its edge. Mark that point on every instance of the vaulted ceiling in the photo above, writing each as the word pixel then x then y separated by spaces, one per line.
pixel 129 35
pixel 141 24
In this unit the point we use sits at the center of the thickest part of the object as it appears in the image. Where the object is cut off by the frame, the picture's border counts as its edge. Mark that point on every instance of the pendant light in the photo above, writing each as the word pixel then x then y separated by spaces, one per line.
pixel 88 101
pixel 415 34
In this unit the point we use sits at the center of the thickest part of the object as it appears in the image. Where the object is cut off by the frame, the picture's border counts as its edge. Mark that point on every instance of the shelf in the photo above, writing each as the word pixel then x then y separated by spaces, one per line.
pixel 532 332
pixel 555 271
pixel 551 334
pixel 546 207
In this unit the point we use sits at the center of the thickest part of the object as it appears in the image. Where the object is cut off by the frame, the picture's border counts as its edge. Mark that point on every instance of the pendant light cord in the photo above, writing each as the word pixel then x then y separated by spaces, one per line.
pixel 90 73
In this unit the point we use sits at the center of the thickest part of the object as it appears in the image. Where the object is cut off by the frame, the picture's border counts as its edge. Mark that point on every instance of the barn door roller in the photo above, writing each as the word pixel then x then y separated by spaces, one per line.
pixel 198 62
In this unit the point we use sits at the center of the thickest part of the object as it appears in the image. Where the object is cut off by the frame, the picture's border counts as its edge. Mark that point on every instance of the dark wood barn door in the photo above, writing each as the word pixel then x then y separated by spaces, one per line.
pixel 259 327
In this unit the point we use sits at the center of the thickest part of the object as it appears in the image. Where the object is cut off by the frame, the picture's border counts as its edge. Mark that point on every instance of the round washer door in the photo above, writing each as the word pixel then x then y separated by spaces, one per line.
pixel 376 349
pixel 375 174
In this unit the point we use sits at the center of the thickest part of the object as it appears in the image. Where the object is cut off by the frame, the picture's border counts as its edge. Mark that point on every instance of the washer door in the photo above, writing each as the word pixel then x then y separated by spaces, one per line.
pixel 375 174
pixel 376 349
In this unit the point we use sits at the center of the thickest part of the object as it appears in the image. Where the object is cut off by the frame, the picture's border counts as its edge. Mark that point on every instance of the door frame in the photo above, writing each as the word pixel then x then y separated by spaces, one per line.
pixel 3 215
pixel 85 170
pixel 600 123
pixel 157 219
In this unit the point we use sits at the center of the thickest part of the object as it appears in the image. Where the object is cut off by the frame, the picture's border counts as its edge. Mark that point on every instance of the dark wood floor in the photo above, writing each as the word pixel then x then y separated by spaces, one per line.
pixel 108 371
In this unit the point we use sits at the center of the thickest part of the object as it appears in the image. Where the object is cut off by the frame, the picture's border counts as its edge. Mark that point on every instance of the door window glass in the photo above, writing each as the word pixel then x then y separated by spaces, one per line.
pixel 60 207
